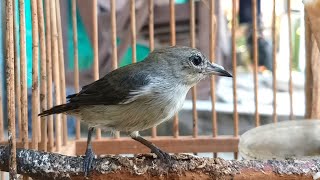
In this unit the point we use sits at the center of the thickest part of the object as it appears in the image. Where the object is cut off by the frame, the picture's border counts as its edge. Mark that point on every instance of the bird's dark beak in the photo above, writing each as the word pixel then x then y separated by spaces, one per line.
pixel 216 69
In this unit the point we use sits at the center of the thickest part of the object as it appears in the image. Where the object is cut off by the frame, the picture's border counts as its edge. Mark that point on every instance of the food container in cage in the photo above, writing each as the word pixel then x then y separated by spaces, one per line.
pixel 298 139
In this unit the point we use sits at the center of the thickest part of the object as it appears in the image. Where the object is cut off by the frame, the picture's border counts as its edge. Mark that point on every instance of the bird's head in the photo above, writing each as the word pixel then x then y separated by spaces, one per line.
pixel 187 64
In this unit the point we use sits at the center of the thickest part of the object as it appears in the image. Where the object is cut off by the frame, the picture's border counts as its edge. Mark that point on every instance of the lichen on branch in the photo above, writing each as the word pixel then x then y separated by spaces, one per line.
pixel 45 165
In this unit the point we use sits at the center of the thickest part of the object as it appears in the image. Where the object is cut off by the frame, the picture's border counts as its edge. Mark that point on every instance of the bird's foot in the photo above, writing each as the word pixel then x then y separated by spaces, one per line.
pixel 87 161
pixel 163 156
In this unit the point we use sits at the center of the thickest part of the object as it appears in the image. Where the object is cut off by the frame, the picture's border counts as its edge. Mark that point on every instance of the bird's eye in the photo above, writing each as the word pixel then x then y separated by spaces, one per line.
pixel 196 60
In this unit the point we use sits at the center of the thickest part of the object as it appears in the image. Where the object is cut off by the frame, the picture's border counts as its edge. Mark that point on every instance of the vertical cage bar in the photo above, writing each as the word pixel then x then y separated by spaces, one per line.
pixel 56 78
pixel 290 58
pixel 114 35
pixel 1 125
pixel 193 45
pixel 173 43
pixel 49 75
pixel 10 88
pixel 255 60
pixel 1 119
pixel 151 45
pixel 274 62
pixel 17 68
pixel 234 72
pixel 151 25
pixel 114 41
pixel 17 74
pixel 172 23
pixel 43 76
pixel 1 122
pixel 23 76
pixel 18 91
pixel 308 71
pixel 212 38
pixel 1 113
pixel 95 50
pixel 35 75
pixel 75 56
pixel 133 30
pixel 23 79
pixel 62 74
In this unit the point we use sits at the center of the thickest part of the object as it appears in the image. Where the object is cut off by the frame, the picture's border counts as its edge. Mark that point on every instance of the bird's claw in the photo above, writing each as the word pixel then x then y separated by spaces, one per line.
pixel 87 161
pixel 163 156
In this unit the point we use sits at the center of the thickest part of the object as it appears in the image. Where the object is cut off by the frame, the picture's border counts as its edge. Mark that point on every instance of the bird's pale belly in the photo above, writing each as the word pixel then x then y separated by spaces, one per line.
pixel 135 116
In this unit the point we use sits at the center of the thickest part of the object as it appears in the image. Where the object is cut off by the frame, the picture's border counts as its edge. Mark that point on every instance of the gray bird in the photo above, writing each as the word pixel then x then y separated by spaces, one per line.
pixel 139 96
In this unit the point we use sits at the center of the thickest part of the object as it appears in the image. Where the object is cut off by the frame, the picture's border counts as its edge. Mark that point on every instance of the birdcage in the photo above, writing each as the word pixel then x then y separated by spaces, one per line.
pixel 53 47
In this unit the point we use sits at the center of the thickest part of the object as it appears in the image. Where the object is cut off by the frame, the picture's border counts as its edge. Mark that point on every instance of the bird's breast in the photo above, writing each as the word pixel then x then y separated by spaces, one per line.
pixel 143 113
pixel 171 101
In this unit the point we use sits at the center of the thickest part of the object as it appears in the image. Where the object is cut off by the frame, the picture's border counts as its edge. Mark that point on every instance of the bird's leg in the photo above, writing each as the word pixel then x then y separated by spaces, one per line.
pixel 89 156
pixel 154 149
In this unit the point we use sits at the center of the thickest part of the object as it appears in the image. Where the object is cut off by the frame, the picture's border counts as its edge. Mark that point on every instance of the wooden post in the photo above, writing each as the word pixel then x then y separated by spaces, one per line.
pixel 173 43
pixel 212 47
pixel 308 76
pixel 23 76
pixel 274 62
pixel 234 72
pixel 10 89
pixel 61 74
pixel 1 123
pixel 212 44
pixel 312 11
pixel 113 23
pixel 133 30
pixel 49 75
pixel 17 69
pixel 255 60
pixel 55 63
pixel 95 50
pixel 1 113
pixel 312 87
pixel 43 76
pixel 151 46
pixel 35 75
pixel 76 61
pixel 315 66
pixel 290 59
pixel 193 45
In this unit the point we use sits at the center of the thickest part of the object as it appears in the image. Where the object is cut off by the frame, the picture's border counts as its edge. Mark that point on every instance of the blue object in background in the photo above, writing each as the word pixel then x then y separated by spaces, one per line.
pixel 142 52
pixel 27 8
pixel 85 50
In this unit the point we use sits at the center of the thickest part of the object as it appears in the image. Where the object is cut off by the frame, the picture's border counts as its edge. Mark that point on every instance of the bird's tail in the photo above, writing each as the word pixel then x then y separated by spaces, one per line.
pixel 58 109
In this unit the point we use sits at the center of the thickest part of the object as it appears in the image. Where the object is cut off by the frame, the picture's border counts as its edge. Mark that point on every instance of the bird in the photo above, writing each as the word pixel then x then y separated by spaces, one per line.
pixel 139 96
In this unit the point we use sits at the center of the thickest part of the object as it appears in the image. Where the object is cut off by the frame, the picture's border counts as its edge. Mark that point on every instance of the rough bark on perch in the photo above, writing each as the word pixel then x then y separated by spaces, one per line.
pixel 44 165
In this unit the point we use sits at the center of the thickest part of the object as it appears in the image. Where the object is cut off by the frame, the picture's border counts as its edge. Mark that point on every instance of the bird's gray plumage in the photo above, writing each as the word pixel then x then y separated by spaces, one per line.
pixel 140 95
pixel 112 89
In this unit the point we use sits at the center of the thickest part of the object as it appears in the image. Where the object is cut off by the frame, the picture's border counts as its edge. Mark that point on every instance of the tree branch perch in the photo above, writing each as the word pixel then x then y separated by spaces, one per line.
pixel 44 165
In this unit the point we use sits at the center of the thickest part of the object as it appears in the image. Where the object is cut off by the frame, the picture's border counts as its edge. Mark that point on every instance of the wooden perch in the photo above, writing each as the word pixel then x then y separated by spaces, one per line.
pixel 44 165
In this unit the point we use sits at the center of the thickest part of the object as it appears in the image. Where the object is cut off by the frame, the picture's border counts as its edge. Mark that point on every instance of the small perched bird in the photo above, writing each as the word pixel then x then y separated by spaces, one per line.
pixel 139 96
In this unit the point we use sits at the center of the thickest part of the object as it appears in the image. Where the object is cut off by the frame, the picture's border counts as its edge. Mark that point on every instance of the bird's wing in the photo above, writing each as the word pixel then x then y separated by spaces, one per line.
pixel 121 86
pixel 118 87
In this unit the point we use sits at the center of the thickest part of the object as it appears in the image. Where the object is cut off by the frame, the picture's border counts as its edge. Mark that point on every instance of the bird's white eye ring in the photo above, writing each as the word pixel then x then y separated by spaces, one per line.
pixel 196 60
